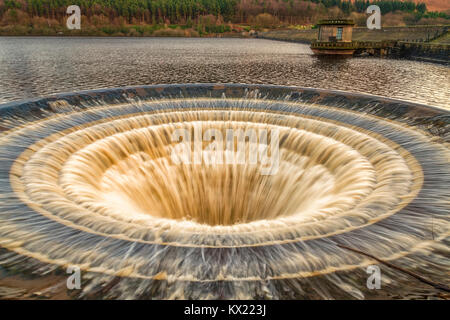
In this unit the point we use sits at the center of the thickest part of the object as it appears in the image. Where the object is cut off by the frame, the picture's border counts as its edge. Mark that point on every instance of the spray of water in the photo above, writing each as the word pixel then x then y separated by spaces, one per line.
pixel 94 185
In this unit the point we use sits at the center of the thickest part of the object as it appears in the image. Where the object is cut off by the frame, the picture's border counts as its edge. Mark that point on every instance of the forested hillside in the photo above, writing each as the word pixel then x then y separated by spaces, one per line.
pixel 199 16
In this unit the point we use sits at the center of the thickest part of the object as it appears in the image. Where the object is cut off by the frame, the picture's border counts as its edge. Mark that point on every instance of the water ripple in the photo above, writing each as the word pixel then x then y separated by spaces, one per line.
pixel 31 67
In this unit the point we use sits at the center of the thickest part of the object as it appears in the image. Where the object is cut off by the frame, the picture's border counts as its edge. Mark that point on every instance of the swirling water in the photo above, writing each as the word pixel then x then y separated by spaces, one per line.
pixel 97 188
pixel 31 67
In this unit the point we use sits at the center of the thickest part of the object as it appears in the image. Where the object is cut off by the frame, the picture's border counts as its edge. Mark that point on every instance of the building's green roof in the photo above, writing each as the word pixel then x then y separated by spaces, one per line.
pixel 336 22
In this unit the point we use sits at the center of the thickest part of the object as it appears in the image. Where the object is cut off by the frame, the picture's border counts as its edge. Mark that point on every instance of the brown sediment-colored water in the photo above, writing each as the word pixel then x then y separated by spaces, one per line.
pixel 90 181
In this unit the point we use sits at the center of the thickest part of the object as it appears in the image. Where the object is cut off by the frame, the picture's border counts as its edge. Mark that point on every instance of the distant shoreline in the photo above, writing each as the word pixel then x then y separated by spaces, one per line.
pixel 122 36
pixel 100 35
pixel 419 33
pixel 420 43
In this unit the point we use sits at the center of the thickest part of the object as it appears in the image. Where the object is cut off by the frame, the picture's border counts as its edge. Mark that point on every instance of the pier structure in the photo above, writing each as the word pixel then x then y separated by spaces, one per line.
pixel 334 38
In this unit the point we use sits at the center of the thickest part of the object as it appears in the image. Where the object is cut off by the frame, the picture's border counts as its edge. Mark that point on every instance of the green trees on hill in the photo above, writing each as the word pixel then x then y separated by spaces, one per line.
pixel 180 11
pixel 151 11
pixel 387 6
pixel 202 16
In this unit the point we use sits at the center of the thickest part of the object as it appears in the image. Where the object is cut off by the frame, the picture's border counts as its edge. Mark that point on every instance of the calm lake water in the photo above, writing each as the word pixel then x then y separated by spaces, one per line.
pixel 31 67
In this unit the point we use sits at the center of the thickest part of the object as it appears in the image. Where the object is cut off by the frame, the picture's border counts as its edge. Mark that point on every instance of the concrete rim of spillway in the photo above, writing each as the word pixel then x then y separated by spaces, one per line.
pixel 342 99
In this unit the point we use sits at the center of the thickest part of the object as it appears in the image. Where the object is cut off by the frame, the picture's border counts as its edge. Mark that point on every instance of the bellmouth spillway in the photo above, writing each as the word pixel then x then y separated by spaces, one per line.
pixel 86 179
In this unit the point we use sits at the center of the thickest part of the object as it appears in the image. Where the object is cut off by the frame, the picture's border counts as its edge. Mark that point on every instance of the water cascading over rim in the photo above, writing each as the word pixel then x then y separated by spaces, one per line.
pixel 86 180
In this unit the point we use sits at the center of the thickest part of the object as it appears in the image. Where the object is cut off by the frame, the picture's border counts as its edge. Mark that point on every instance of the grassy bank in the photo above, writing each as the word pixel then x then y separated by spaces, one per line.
pixel 196 18
pixel 444 39
pixel 47 29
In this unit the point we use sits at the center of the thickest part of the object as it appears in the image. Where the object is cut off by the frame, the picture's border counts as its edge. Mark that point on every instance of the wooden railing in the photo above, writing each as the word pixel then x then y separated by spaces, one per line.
pixel 352 45
pixel 332 45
